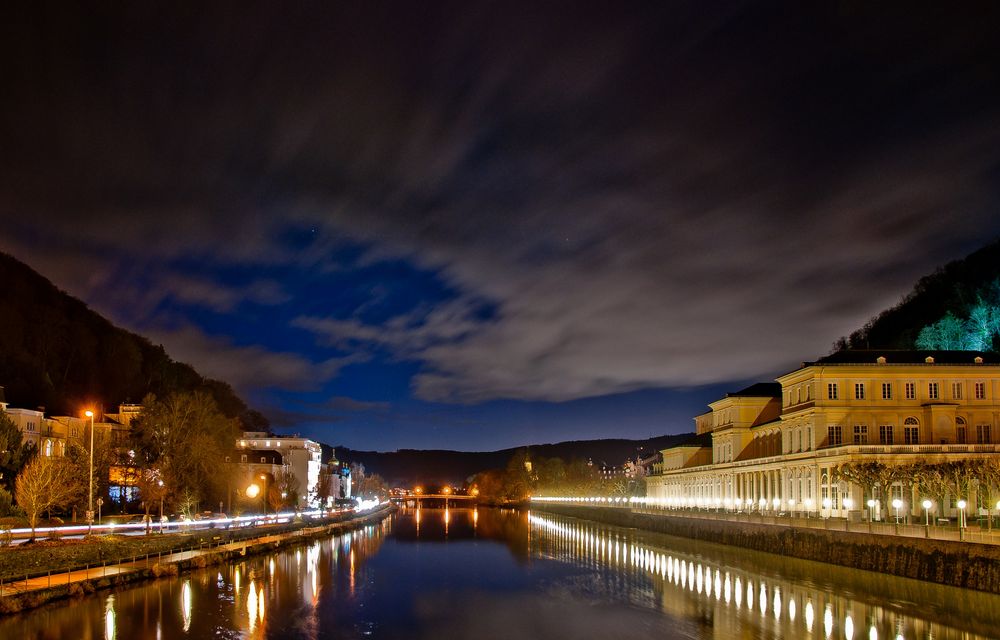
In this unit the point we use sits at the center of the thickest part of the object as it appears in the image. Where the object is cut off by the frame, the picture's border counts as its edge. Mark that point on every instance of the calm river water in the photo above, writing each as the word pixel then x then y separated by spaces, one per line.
pixel 486 573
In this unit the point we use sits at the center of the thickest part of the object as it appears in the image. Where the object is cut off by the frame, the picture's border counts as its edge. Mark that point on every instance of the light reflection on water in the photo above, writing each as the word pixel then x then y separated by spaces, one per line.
pixel 485 573
pixel 690 581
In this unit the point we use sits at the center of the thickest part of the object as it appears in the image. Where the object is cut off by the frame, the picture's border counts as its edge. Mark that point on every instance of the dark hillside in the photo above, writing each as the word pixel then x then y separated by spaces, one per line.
pixel 58 353
pixel 954 288
pixel 408 466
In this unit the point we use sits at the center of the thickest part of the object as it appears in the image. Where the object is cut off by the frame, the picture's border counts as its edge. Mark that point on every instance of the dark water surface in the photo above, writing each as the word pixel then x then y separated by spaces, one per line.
pixel 484 573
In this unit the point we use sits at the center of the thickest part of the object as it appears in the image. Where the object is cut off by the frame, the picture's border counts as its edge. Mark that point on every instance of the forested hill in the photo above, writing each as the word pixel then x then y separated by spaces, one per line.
pixel 407 466
pixel 956 307
pixel 58 353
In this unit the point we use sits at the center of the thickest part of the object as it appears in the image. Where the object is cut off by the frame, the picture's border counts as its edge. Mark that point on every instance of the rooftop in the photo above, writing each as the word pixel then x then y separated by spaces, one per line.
pixel 871 356
pixel 758 390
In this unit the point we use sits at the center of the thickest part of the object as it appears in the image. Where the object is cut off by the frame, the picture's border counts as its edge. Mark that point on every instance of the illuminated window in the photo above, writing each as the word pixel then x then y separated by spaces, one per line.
pixel 911 431
pixel 956 390
pixel 859 391
pixel 887 391
pixel 243 458
pixel 911 390
pixel 831 391
pixel 980 391
pixel 932 390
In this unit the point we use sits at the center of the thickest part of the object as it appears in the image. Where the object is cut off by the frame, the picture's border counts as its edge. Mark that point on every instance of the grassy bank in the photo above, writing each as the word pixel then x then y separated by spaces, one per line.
pixel 60 555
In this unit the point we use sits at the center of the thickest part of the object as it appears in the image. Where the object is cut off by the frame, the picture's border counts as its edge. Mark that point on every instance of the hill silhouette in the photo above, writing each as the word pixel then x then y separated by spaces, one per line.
pixel 409 466
pixel 958 289
pixel 57 353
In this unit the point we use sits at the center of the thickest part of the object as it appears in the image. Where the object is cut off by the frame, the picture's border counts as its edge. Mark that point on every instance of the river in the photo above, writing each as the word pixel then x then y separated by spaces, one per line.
pixel 486 573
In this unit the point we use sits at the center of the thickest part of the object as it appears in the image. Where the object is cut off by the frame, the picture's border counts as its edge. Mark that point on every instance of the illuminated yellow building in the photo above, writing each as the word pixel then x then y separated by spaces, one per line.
pixel 773 447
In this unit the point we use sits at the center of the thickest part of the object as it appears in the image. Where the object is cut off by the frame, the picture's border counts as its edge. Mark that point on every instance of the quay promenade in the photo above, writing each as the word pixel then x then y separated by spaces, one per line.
pixel 934 529
pixel 114 572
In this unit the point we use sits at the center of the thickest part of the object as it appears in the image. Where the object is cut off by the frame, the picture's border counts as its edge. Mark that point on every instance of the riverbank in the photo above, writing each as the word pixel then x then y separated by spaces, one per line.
pixel 211 549
pixel 959 564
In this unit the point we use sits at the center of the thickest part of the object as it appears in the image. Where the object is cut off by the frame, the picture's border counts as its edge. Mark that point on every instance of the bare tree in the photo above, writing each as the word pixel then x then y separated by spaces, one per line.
pixel 45 483
pixel 153 490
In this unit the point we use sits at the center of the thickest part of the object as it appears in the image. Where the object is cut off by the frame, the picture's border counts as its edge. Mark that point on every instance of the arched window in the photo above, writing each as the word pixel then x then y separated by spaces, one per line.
pixel 911 421
pixel 48 448
pixel 911 431
pixel 961 432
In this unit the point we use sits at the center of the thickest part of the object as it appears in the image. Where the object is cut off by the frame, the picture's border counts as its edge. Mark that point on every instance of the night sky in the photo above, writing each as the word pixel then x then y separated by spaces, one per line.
pixel 478 225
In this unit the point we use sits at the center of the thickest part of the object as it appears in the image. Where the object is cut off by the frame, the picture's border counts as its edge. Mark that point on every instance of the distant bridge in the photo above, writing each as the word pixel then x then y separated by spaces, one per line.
pixel 434 496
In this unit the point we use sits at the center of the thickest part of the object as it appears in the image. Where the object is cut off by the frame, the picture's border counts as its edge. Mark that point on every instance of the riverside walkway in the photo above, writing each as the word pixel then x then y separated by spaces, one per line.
pixel 932 531
pixel 146 562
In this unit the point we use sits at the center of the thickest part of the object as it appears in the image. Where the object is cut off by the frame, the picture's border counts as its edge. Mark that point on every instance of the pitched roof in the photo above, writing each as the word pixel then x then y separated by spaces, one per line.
pixel 758 390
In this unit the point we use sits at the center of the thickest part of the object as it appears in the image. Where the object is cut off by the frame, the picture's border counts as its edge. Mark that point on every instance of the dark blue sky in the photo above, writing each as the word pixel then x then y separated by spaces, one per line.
pixel 472 225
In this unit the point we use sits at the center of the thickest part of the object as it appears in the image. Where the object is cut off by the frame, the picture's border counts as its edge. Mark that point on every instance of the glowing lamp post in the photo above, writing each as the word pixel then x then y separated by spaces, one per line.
pixel 90 499
pixel 160 484
pixel 961 504
pixel 871 509
pixel 896 504
pixel 253 491
pixel 926 504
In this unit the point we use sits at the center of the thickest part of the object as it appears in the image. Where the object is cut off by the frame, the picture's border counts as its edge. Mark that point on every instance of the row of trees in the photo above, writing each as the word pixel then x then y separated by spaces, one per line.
pixel 524 477
pixel 937 481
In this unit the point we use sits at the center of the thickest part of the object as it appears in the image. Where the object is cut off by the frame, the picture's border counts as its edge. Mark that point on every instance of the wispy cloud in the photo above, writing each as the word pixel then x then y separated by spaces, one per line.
pixel 249 367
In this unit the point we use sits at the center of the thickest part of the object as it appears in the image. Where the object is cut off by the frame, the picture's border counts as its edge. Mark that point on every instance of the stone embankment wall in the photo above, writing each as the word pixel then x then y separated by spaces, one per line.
pixel 958 564
pixel 16 602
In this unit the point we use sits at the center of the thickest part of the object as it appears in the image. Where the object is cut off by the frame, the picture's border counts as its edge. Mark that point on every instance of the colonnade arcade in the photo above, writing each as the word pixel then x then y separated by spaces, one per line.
pixel 792 489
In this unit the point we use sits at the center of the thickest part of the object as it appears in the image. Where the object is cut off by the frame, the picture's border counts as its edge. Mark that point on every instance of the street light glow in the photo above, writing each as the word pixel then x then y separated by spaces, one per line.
pixel 253 491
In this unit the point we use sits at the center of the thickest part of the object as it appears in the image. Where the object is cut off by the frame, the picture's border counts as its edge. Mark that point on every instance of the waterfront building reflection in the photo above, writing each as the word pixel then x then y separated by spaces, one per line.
pixel 692 586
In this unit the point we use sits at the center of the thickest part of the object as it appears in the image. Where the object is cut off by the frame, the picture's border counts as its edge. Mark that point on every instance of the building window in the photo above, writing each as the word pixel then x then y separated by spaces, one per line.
pixel 960 432
pixel 243 458
pixel 983 433
pixel 831 391
pixel 859 391
pixel 932 390
pixel 911 390
pixel 263 459
pixel 956 390
pixel 834 435
pixel 798 395
pixel 887 391
pixel 860 434
pixel 911 435
pixel 885 434
pixel 980 391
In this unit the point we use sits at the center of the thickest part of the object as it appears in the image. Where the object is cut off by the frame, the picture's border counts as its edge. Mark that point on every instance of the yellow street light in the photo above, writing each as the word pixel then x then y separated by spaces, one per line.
pixel 90 499
pixel 253 491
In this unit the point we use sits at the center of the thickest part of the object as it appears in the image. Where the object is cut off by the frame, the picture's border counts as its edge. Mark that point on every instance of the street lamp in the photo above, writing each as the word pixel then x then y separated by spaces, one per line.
pixel 926 504
pixel 871 509
pixel 896 504
pixel 961 513
pixel 90 498
pixel 160 484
